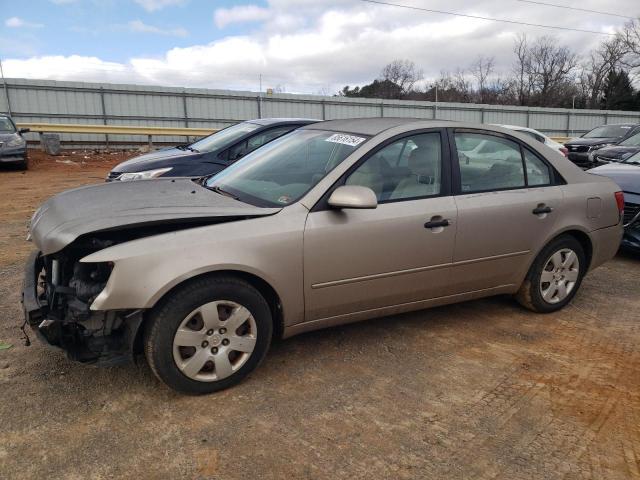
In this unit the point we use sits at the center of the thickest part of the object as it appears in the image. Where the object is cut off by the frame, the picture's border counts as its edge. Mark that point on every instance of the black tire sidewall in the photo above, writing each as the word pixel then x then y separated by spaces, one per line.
pixel 565 241
pixel 164 322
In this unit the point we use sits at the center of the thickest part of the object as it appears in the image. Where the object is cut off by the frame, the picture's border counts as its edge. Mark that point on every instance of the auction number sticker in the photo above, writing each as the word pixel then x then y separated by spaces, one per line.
pixel 350 140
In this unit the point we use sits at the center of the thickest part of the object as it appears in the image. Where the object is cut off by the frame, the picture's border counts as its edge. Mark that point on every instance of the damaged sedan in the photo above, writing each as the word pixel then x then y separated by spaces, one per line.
pixel 336 222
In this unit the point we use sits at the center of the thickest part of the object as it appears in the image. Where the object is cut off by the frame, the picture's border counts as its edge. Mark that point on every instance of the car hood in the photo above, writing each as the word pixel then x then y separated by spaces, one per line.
pixel 158 159
pixel 132 205
pixel 591 141
pixel 626 176
pixel 616 152
pixel 5 137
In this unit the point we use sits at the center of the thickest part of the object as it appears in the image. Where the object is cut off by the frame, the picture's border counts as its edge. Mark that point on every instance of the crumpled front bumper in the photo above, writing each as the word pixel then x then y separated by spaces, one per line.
pixel 31 305
pixel 62 333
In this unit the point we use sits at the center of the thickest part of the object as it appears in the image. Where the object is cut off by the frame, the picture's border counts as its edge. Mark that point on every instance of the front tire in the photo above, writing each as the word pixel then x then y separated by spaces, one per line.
pixel 555 276
pixel 208 335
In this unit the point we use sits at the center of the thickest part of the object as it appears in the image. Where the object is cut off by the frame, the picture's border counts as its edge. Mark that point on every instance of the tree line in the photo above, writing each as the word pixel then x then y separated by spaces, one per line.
pixel 543 73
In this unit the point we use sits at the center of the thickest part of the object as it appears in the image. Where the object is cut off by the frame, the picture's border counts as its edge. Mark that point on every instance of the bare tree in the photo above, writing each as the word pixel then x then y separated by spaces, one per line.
pixel 630 36
pixel 605 59
pixel 523 81
pixel 481 70
pixel 551 68
pixel 403 73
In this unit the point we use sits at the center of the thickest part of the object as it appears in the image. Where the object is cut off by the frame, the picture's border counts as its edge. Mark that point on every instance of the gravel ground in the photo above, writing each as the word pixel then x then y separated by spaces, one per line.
pixel 477 390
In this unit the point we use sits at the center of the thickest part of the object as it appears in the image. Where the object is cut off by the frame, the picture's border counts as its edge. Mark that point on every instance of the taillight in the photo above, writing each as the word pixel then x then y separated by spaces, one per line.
pixel 620 202
pixel 564 151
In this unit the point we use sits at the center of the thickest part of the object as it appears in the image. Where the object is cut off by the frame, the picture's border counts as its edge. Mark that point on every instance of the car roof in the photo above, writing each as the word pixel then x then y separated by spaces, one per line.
pixel 373 126
pixel 282 121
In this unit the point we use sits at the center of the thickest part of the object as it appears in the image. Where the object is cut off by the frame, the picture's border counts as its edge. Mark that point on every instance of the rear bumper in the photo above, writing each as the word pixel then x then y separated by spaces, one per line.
pixel 606 242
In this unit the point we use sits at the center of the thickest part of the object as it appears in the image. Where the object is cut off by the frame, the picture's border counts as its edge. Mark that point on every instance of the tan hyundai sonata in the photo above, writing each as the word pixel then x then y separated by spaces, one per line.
pixel 336 222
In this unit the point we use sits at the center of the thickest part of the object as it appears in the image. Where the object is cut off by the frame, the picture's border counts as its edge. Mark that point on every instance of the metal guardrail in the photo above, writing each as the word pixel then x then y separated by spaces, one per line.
pixel 149 132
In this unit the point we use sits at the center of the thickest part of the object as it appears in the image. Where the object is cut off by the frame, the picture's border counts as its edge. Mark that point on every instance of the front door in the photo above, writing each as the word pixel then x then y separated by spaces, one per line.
pixel 400 252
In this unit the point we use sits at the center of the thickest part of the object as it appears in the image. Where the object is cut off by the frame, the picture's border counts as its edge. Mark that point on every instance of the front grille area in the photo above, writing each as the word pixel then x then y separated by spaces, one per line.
pixel 631 210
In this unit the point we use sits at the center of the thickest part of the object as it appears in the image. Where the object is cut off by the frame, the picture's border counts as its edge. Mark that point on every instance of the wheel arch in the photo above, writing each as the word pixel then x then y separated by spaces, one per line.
pixel 264 288
pixel 580 235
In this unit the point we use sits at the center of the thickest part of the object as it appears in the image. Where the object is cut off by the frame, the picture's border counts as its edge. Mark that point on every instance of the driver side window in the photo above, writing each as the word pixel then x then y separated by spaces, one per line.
pixel 405 169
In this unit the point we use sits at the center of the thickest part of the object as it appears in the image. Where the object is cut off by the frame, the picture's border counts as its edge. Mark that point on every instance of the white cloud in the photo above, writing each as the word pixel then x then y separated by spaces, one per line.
pixel 16 22
pixel 141 27
pixel 153 5
pixel 313 45
pixel 241 14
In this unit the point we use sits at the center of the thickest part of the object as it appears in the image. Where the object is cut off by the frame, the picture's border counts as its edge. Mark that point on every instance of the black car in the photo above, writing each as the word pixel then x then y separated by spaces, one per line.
pixel 599 137
pixel 627 175
pixel 208 155
pixel 13 148
pixel 616 153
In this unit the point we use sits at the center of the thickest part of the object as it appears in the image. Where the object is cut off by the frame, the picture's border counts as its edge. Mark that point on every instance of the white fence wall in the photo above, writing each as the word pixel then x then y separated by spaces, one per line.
pixel 48 101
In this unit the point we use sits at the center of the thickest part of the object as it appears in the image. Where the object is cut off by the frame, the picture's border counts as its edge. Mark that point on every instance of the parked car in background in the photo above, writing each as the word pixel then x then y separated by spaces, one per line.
pixel 13 147
pixel 627 175
pixel 616 153
pixel 540 137
pixel 599 137
pixel 208 155
pixel 335 222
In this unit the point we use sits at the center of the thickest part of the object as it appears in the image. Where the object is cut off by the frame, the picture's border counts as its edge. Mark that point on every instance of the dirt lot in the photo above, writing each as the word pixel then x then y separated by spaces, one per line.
pixel 477 390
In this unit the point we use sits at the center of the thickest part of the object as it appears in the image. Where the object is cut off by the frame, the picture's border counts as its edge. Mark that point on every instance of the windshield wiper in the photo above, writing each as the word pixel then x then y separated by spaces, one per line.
pixel 219 190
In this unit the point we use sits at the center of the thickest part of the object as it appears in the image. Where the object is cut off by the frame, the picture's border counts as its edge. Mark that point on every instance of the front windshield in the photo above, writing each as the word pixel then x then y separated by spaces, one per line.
pixel 633 159
pixel 6 125
pixel 281 172
pixel 632 141
pixel 608 131
pixel 224 137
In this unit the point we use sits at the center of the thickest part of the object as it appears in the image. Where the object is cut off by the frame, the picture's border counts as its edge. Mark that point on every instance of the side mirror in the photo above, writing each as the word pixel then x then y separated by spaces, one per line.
pixel 24 130
pixel 353 196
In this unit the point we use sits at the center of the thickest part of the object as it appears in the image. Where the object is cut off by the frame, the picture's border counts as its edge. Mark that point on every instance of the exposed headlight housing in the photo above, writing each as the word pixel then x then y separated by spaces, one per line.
pixel 146 175
pixel 16 141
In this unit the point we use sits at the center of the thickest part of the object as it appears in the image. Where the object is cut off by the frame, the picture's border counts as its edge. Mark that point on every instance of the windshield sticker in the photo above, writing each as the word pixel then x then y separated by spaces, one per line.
pixel 350 140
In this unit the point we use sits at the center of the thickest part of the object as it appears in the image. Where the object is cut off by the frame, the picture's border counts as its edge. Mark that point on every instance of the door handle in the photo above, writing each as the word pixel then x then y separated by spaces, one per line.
pixel 541 209
pixel 437 223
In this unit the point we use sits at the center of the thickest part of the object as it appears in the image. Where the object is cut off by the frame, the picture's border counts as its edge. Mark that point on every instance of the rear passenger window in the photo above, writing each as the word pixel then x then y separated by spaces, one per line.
pixel 408 168
pixel 488 162
pixel 537 170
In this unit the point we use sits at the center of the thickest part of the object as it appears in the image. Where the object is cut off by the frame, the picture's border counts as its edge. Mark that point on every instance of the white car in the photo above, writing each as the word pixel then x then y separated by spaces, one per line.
pixel 541 137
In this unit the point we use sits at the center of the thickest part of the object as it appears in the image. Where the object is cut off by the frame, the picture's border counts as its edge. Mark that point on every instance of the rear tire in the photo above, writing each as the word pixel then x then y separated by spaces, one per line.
pixel 555 276
pixel 208 335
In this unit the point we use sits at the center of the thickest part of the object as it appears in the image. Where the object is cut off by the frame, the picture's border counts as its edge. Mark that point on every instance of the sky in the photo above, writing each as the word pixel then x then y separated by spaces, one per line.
pixel 301 46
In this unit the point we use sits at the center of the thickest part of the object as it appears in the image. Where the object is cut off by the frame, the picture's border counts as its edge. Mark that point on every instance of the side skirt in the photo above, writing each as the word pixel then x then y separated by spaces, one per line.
pixel 320 323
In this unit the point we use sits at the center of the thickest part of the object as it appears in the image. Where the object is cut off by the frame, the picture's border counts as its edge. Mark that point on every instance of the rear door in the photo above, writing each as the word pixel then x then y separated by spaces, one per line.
pixel 397 253
pixel 507 201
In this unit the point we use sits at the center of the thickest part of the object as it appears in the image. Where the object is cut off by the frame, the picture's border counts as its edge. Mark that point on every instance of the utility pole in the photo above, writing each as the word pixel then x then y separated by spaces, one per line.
pixel 260 97
pixel 6 91
pixel 435 111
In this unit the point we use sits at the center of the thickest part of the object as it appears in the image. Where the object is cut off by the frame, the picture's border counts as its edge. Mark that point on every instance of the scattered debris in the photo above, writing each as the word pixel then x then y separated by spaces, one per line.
pixel 5 346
